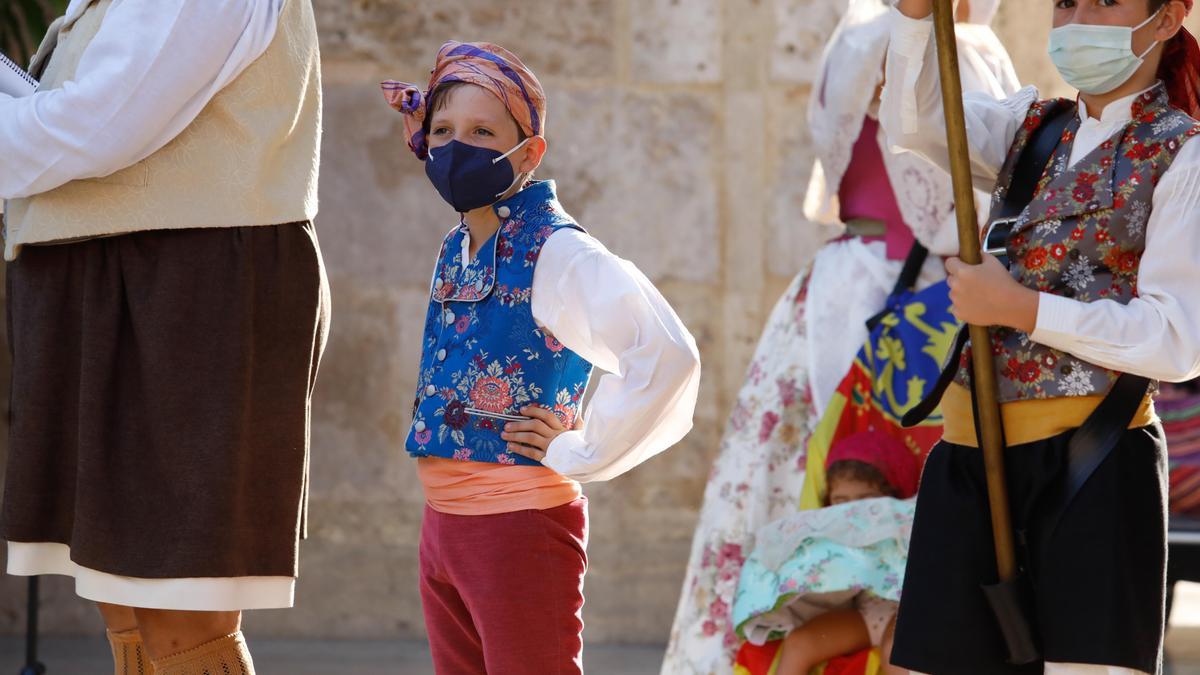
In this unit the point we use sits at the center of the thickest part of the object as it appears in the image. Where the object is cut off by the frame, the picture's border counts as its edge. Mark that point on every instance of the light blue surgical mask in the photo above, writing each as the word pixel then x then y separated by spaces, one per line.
pixel 1096 59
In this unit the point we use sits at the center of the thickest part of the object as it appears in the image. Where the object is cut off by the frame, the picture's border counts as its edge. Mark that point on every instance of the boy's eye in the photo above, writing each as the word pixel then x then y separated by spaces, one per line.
pixel 440 130
pixel 1064 4
pixel 484 132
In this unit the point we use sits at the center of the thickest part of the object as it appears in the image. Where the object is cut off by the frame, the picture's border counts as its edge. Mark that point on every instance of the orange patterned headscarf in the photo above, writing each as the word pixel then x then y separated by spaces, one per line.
pixel 490 66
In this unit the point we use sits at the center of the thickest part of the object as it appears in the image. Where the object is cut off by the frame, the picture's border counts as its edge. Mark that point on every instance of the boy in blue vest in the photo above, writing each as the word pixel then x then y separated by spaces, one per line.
pixel 523 304
pixel 1098 301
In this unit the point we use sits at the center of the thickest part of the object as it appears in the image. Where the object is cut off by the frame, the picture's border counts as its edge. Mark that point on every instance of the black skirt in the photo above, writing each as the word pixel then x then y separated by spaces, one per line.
pixel 1097 567
pixel 160 399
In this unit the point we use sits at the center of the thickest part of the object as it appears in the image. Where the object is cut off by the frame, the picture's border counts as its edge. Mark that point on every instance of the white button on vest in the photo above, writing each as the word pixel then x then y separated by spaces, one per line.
pixel 438 283
pixel 479 286
pixel 441 355
pixel 431 390
pixel 449 317
pixel 504 212
pixel 419 426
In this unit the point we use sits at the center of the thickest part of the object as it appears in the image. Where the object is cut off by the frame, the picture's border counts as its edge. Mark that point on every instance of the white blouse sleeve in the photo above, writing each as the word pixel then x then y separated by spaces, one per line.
pixel 149 71
pixel 605 310
pixel 911 106
pixel 1158 333
pixel 923 191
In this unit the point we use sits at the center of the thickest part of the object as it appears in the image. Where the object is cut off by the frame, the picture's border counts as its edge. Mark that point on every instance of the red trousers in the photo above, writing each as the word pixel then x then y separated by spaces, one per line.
pixel 503 593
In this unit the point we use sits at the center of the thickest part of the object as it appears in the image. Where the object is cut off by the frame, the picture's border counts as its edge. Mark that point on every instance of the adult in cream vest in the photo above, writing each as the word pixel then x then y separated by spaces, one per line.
pixel 167 310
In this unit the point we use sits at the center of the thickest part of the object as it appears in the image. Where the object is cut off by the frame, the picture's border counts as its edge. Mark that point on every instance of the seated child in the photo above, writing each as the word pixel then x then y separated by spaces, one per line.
pixel 827 581
pixel 522 305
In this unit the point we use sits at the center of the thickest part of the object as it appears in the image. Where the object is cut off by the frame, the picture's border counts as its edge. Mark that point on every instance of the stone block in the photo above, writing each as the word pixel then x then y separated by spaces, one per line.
pixel 358 575
pixel 362 407
pixel 635 571
pixel 794 239
pixel 640 172
pixel 62 612
pixel 801 29
pixel 1024 28
pixel 381 221
pixel 571 38
pixel 677 41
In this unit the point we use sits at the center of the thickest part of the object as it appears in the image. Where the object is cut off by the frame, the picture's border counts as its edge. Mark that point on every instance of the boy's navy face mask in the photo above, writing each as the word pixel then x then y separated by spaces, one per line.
pixel 468 176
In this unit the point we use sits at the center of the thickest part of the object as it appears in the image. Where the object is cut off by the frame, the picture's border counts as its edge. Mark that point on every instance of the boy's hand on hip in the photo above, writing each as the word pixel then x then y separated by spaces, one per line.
pixel 532 438
pixel 987 295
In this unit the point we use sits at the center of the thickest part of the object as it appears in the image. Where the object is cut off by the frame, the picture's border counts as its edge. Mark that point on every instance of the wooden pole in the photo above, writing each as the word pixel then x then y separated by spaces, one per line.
pixel 984 375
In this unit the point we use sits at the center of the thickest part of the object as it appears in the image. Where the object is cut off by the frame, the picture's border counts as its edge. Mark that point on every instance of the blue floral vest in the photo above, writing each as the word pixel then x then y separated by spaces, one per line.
pixel 483 357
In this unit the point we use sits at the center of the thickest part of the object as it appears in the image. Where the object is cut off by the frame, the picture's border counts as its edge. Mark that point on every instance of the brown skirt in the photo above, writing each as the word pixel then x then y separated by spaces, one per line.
pixel 161 391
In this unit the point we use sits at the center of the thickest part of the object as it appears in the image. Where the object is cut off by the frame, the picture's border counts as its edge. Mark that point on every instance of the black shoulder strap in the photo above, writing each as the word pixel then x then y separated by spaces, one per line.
pixel 912 268
pixel 1033 160
pixel 925 407
pixel 1101 431
pixel 909 273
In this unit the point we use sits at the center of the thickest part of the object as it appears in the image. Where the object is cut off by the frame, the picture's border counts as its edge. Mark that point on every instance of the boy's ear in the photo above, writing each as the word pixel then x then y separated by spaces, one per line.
pixel 532 154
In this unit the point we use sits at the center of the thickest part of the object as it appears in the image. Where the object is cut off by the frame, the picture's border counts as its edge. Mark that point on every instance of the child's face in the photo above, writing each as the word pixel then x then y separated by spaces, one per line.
pixel 474 116
pixel 850 490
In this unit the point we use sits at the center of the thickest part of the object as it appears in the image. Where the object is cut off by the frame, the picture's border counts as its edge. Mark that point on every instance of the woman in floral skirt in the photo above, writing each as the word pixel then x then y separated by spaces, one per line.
pixel 883 202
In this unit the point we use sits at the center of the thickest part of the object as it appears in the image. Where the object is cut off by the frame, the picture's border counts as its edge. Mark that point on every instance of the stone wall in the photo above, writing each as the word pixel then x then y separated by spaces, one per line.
pixel 677 136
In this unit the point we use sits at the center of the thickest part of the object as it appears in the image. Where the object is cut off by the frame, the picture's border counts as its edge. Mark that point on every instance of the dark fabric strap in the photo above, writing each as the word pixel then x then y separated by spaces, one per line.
pixel 1032 162
pixel 907 280
pixel 921 411
pixel 1102 430
pixel 911 271
pixel 1092 443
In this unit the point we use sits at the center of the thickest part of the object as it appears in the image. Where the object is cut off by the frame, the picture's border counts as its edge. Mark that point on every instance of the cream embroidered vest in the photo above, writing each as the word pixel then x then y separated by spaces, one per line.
pixel 250 158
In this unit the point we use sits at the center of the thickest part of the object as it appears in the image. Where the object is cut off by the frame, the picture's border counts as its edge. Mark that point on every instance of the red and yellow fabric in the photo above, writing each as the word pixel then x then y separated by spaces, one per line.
pixel 764 660
pixel 894 370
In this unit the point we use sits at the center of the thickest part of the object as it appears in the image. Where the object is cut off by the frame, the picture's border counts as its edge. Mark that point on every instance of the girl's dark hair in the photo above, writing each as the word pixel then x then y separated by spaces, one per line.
pixel 853 469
